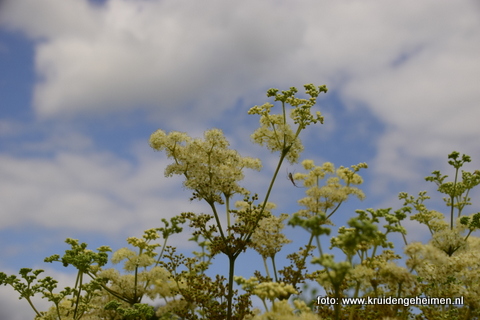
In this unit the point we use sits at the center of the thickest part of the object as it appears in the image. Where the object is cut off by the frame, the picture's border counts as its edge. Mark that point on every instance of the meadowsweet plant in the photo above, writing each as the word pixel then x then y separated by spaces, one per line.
pixel 445 267
pixel 212 171
pixel 449 264
pixel 101 293
pixel 322 201
pixel 456 191
pixel 355 260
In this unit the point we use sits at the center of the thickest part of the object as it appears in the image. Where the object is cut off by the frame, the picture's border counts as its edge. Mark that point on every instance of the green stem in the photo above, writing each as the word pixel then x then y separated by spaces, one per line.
pixel 357 289
pixel 399 291
pixel 217 220
pixel 58 311
pixel 265 305
pixel 460 208
pixel 249 235
pixel 33 307
pixel 231 270
pixel 274 268
pixel 336 208
pixel 317 239
pixel 232 258
pixel 227 205
pixel 79 283
pixel 336 289
pixel 161 252
pixel 452 197
pixel 112 292
pixel 374 251
pixel 403 235
pixel 468 235
pixel 266 266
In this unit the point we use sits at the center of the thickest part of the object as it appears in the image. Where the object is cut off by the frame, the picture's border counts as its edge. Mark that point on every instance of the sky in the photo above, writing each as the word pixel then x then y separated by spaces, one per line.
pixel 83 84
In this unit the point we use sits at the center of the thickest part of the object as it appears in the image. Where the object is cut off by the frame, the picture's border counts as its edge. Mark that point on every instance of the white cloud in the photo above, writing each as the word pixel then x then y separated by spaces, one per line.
pixel 404 61
pixel 427 99
pixel 167 54
pixel 415 65
pixel 92 191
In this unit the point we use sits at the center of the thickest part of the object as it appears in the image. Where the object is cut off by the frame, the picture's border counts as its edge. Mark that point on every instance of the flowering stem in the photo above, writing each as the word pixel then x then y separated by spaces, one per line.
pixel 266 266
pixel 403 236
pixel 217 219
pixel 136 281
pixel 274 268
pixel 231 270
pixel 161 252
pixel 452 197
pixel 260 215
pixel 284 153
pixel 79 284
pixel 336 208
pixel 318 244
pixel 270 187
pixel 31 305
pixel 265 305
pixel 227 209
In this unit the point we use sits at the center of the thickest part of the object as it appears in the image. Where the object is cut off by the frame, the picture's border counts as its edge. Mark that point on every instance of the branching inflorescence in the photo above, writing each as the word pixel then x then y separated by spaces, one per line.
pixel 359 263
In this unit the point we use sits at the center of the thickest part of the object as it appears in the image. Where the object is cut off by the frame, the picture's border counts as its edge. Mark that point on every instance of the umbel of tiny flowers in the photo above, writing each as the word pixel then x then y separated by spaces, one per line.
pixel 211 169
pixel 268 240
pixel 275 131
pixel 324 200
pixel 283 310
pixel 266 290
pixel 441 275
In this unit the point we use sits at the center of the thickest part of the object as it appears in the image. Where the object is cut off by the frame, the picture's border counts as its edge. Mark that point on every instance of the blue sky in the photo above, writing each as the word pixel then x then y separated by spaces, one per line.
pixel 83 84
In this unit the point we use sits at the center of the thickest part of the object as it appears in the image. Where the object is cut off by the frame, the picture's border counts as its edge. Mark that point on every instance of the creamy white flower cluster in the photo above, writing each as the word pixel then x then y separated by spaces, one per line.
pixel 275 131
pixel 321 198
pixel 268 238
pixel 283 310
pixel 457 275
pixel 209 166
pixel 266 290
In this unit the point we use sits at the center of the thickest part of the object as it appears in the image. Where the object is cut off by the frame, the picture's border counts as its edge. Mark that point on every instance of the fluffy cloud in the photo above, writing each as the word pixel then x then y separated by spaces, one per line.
pixel 88 192
pixel 414 65
pixel 93 59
